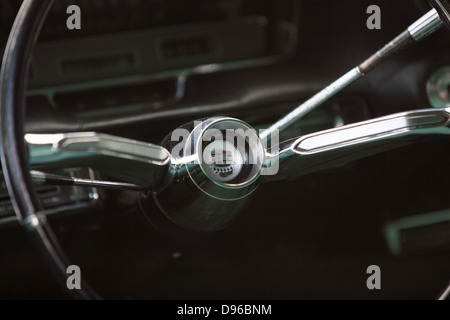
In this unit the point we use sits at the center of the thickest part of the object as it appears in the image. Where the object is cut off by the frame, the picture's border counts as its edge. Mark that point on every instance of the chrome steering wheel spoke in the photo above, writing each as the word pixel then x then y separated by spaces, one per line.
pixel 338 146
pixel 136 164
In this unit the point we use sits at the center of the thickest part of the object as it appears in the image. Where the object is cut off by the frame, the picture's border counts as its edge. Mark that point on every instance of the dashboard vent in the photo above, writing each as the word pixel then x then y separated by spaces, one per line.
pixel 418 233
pixel 153 93
pixel 108 16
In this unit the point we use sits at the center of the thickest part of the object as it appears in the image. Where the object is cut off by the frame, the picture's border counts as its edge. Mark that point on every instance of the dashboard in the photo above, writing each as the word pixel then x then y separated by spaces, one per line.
pixel 140 68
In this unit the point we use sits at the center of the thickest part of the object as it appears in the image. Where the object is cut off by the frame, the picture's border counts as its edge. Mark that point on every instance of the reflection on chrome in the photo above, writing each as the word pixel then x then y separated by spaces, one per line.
pixel 42 139
pixel 338 146
pixel 134 162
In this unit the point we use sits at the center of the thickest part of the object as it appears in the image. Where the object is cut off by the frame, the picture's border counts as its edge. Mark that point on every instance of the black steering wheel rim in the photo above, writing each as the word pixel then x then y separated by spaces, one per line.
pixel 443 9
pixel 13 83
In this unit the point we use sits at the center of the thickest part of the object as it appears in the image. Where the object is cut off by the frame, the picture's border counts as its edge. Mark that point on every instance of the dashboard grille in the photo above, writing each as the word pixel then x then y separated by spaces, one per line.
pixel 107 16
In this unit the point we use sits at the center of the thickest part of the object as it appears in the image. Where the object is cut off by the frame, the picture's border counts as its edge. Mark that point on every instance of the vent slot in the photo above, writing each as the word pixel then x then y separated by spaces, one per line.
pixel 426 237
pixel 82 65
pixel 187 47
pixel 116 96
pixel 419 233
pixel 42 191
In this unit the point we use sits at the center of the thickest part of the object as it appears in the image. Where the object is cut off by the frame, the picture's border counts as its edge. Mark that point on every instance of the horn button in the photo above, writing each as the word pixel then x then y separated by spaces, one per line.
pixel 216 171
pixel 222 161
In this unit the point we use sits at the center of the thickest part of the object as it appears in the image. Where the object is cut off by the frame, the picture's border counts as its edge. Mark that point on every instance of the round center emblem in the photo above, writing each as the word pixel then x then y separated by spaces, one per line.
pixel 222 161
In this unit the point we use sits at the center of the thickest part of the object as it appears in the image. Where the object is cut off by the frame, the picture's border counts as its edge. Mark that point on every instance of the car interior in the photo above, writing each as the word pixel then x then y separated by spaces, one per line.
pixel 134 71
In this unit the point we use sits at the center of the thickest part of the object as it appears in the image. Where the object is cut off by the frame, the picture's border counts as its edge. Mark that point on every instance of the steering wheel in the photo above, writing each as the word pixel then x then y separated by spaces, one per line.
pixel 205 171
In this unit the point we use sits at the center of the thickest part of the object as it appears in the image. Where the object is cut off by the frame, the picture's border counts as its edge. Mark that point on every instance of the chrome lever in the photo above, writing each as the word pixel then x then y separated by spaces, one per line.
pixel 416 32
pixel 133 162
pixel 43 178
pixel 338 146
